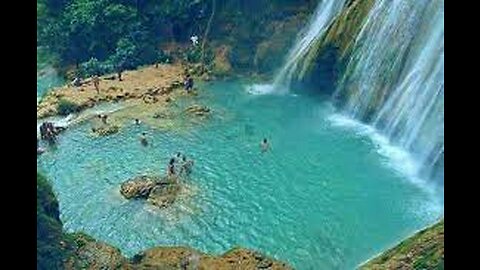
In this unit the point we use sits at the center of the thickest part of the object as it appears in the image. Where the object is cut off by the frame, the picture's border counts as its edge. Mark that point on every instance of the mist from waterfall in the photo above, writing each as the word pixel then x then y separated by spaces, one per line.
pixel 394 79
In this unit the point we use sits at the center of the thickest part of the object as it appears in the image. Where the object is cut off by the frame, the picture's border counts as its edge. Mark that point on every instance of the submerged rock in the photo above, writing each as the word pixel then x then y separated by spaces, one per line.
pixel 138 187
pixel 198 110
pixel 106 130
pixel 164 194
pixel 158 191
pixel 161 115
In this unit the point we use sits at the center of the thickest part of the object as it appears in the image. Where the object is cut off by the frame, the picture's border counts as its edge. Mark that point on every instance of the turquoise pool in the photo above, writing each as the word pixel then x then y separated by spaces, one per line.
pixel 325 196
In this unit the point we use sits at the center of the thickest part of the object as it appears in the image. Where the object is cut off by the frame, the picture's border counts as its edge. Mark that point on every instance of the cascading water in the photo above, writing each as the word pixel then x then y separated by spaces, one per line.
pixel 394 79
pixel 325 12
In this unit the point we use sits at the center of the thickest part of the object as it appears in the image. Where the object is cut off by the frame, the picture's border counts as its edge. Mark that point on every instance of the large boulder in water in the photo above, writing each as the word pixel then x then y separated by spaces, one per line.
pixel 138 187
pixel 158 191
pixel 164 193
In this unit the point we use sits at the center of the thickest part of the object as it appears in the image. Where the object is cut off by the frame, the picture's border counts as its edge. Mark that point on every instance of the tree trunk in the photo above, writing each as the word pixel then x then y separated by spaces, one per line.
pixel 207 30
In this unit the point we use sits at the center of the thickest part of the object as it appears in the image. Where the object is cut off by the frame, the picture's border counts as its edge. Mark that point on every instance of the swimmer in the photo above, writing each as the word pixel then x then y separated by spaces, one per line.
pixel 137 121
pixel 40 150
pixel 143 139
pixel 264 145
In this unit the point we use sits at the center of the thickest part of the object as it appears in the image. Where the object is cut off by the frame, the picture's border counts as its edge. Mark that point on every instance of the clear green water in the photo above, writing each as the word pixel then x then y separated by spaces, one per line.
pixel 324 197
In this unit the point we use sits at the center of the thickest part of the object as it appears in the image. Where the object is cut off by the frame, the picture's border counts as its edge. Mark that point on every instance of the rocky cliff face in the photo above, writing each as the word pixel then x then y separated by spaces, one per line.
pixel 51 248
pixel 424 250
pixel 252 38
pixel 59 250
pixel 345 28
pixel 328 56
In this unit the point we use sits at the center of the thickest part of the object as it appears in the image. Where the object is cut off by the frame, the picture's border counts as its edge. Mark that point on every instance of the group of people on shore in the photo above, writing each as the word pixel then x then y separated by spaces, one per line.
pixel 77 81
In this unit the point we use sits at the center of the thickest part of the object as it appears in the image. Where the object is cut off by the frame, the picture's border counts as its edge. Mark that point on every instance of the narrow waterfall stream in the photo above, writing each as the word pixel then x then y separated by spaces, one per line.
pixel 323 16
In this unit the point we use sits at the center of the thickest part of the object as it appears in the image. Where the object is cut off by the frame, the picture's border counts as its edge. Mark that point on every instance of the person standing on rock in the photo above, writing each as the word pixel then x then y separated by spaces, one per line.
pixel 171 168
pixel 104 118
pixel 77 82
pixel 96 83
pixel 119 75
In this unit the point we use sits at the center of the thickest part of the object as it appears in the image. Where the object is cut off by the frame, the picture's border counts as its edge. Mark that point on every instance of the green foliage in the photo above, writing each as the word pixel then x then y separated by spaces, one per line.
pixel 122 34
pixel 91 67
pixel 50 254
pixel 66 107
pixel 127 55
pixel 163 57
pixel 193 55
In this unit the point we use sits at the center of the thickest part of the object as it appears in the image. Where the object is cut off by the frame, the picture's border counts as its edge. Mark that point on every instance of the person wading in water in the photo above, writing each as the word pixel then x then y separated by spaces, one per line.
pixel 171 168
pixel 186 166
pixel 143 139
pixel 264 145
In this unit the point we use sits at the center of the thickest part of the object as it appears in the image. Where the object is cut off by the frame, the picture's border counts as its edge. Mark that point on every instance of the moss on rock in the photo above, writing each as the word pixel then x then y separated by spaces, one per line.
pixel 341 33
pixel 51 248
pixel 424 250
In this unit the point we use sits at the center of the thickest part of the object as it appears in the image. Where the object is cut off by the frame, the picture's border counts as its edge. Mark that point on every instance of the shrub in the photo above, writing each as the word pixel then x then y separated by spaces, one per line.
pixel 66 107
pixel 95 67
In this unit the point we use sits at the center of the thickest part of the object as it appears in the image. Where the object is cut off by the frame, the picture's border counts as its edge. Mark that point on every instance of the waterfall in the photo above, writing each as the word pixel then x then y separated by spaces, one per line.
pixel 326 11
pixel 324 14
pixel 394 79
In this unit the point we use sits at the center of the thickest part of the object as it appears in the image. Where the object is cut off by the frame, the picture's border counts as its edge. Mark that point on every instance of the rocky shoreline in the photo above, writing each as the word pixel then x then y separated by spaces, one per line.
pixel 423 250
pixel 92 254
pixel 148 94
pixel 149 84
pixel 59 250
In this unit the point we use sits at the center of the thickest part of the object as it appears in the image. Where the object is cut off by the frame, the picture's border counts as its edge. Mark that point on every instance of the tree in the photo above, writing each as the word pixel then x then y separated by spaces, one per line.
pixel 91 67
pixel 126 55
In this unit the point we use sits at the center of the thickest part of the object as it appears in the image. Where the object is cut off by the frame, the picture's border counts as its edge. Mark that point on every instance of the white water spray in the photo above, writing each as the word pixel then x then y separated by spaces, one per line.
pixel 395 78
